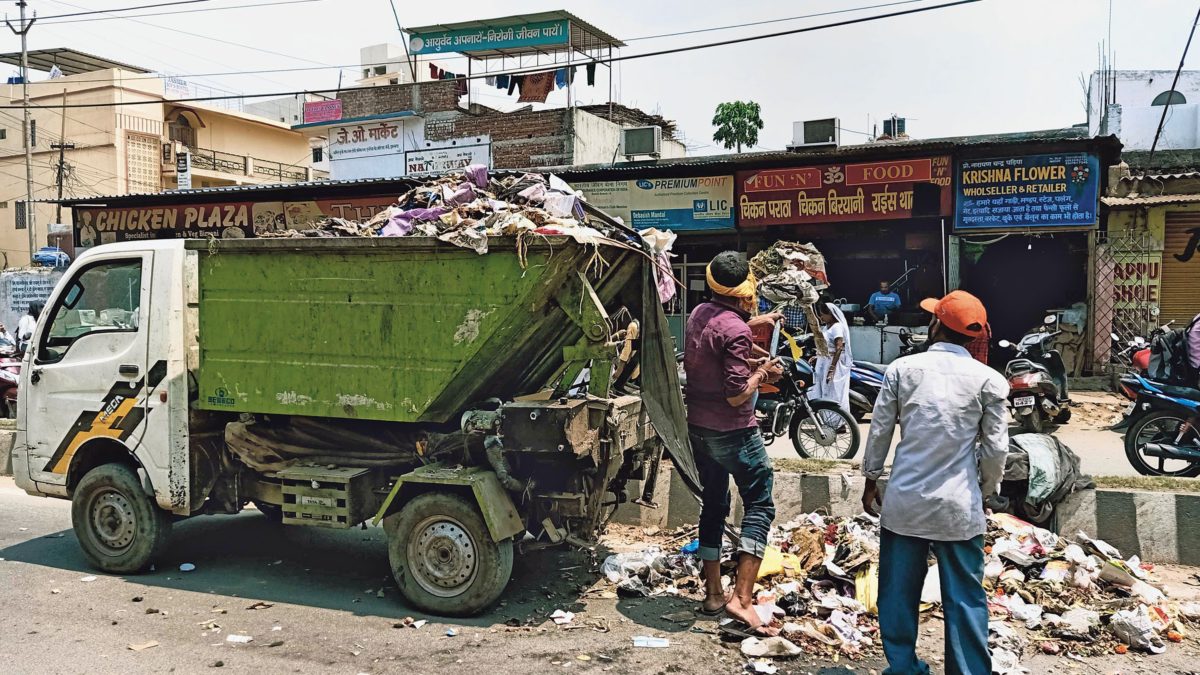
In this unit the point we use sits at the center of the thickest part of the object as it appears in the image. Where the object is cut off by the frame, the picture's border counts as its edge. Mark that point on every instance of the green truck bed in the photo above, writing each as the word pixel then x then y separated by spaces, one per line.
pixel 397 329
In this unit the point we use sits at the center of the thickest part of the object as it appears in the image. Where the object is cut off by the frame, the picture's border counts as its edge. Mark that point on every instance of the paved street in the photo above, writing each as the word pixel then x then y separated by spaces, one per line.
pixel 326 616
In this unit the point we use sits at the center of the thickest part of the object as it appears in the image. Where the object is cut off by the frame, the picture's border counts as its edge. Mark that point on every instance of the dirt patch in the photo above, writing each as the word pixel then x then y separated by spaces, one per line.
pixel 1096 409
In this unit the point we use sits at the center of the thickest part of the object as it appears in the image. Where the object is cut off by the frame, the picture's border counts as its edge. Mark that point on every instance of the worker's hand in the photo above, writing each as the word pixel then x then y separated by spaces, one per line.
pixel 765 319
pixel 772 371
pixel 829 375
pixel 871 502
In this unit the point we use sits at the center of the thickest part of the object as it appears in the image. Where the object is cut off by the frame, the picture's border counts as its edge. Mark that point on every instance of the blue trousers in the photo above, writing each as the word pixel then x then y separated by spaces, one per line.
pixel 741 454
pixel 902 569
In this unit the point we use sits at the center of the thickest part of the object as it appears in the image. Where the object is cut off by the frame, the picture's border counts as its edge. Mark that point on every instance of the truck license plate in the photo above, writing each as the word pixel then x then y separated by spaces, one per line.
pixel 1023 402
pixel 316 501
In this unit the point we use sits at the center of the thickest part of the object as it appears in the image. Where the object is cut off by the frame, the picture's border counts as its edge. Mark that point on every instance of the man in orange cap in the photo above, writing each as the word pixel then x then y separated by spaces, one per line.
pixel 953 416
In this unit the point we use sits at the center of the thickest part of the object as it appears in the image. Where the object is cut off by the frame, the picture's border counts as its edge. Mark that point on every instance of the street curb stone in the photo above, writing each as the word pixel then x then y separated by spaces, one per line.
pixel 1158 527
pixel 6 446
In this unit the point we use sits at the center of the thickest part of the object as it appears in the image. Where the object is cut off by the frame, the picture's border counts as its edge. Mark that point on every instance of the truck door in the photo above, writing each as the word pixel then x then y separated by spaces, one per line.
pixel 88 367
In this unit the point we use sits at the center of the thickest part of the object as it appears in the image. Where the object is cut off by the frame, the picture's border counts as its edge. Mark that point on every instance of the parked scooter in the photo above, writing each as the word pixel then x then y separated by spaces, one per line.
pixel 10 376
pixel 866 379
pixel 1037 380
pixel 912 343
pixel 1164 428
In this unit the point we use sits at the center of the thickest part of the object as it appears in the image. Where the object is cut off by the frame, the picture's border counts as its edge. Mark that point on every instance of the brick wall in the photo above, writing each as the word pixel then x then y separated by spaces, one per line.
pixel 440 96
pixel 519 140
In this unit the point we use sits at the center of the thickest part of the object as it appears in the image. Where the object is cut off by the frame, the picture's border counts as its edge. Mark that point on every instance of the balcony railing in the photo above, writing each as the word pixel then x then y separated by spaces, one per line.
pixel 243 165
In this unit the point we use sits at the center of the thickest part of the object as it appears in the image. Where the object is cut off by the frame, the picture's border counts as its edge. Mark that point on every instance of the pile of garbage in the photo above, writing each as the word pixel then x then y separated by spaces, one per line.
pixel 819 584
pixel 466 207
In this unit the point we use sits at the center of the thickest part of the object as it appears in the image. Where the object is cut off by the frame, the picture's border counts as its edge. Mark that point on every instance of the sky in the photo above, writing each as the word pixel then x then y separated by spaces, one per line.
pixel 989 67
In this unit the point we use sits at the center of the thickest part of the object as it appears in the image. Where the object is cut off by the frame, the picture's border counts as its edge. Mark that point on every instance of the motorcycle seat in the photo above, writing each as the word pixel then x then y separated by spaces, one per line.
pixel 1189 393
pixel 874 367
pixel 1024 366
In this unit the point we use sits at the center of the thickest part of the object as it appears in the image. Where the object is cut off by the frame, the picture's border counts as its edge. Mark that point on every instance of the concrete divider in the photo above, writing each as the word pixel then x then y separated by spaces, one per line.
pixel 1158 527
pixel 6 446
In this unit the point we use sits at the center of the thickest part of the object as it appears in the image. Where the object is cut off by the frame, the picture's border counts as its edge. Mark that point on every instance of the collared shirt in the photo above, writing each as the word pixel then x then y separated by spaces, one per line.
pixel 716 361
pixel 953 418
pixel 794 318
pixel 883 303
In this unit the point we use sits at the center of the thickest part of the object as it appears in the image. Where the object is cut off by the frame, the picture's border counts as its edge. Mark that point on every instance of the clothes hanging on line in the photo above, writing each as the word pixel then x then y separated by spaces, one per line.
pixel 490 80
pixel 535 87
pixel 502 82
pixel 560 78
pixel 514 83
pixel 591 74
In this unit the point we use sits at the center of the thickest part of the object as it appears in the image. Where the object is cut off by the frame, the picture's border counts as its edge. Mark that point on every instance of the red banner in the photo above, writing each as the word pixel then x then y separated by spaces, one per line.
pixel 840 192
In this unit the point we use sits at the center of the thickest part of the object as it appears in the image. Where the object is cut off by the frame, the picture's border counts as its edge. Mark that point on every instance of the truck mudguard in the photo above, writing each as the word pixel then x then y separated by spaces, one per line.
pixel 499 512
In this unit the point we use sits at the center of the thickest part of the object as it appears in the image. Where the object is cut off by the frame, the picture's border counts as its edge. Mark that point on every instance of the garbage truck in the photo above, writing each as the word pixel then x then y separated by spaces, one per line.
pixel 472 404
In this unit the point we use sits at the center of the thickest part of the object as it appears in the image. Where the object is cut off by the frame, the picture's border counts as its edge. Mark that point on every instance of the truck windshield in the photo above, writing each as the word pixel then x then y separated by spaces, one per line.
pixel 104 297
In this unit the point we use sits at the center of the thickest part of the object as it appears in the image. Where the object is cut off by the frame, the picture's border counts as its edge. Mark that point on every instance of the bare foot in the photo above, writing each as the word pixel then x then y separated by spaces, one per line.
pixel 714 603
pixel 746 614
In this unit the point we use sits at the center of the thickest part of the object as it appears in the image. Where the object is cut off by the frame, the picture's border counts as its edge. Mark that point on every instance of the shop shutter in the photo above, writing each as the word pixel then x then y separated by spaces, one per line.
pixel 1179 294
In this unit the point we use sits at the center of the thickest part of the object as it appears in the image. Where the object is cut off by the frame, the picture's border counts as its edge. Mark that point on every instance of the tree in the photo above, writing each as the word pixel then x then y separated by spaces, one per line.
pixel 738 124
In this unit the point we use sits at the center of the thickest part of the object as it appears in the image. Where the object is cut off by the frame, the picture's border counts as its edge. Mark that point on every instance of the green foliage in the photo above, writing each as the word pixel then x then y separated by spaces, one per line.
pixel 738 124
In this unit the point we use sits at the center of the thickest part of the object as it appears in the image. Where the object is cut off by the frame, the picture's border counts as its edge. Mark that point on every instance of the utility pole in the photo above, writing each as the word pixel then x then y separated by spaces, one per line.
pixel 62 146
pixel 23 32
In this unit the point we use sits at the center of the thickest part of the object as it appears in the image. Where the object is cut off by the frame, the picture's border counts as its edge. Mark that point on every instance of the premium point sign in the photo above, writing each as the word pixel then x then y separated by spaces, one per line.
pixel 840 192
pixel 700 203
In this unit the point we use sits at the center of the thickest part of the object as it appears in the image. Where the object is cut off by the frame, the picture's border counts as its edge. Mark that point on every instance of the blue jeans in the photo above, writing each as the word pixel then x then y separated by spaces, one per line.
pixel 902 569
pixel 741 454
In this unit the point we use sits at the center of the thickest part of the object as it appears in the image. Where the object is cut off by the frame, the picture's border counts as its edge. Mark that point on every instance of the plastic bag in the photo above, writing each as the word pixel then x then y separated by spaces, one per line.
pixel 1134 629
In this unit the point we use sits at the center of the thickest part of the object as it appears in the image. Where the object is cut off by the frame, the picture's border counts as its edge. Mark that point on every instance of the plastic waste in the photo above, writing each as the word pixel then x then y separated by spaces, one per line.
pixel 772 646
pixel 651 642
pixel 691 547
pixel 931 590
pixel 772 563
pixel 1133 628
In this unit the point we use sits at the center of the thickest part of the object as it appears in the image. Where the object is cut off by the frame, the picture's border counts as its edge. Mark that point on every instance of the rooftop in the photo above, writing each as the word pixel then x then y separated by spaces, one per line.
pixel 69 61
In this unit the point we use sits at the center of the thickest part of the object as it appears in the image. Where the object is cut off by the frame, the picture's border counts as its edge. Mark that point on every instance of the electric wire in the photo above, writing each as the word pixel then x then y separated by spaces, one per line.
pixel 185 11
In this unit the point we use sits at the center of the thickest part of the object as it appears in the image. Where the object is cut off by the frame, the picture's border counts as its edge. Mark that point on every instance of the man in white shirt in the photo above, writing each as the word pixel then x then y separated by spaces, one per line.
pixel 952 411
pixel 26 325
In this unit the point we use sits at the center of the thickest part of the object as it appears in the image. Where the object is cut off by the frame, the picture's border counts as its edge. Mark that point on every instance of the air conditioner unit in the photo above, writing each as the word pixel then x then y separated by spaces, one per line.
pixel 641 141
pixel 811 133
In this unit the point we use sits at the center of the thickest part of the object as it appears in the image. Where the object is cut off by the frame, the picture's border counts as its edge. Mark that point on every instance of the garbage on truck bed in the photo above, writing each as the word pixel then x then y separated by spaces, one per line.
pixel 819 583
pixel 466 207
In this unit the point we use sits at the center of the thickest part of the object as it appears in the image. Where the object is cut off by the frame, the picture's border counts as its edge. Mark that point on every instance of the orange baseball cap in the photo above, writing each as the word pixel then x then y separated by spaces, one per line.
pixel 959 311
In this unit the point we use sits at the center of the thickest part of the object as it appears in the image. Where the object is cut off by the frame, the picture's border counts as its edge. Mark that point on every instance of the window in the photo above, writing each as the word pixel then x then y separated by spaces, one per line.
pixel 380 70
pixel 3 134
pixel 3 205
pixel 318 154
pixel 102 298
pixel 143 170
pixel 1169 97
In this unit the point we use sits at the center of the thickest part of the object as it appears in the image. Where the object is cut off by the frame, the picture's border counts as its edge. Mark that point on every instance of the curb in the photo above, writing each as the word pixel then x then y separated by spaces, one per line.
pixel 6 446
pixel 1158 527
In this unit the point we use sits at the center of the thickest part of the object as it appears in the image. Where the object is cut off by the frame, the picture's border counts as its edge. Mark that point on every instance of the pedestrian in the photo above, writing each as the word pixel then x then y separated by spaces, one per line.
pixel 953 440
pixel 1192 335
pixel 831 374
pixel 723 378
pixel 26 325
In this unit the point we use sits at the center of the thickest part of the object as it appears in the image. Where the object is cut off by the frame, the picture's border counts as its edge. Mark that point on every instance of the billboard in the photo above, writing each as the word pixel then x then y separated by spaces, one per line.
pixel 701 203
pixel 533 34
pixel 1028 191
pixel 844 192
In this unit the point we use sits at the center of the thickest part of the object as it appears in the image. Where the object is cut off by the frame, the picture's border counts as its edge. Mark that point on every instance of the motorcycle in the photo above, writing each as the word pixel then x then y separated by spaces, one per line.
pixel 1138 349
pixel 818 429
pixel 1164 427
pixel 1037 380
pixel 912 343
pixel 10 376
pixel 866 379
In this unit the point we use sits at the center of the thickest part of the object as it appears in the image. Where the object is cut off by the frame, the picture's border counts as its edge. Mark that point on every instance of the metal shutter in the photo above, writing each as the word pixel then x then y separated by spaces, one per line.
pixel 1179 295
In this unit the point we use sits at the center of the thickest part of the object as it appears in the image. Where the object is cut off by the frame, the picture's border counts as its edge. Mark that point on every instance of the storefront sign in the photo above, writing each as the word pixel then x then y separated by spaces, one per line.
pixel 238 220
pixel 183 171
pixel 439 160
pixel 704 203
pixel 1031 191
pixel 534 34
pixel 844 192
pixel 366 140
pixel 322 111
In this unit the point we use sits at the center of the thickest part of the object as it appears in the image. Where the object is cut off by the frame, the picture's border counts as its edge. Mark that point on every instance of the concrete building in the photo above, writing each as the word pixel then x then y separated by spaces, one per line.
pixel 1140 96
pixel 128 143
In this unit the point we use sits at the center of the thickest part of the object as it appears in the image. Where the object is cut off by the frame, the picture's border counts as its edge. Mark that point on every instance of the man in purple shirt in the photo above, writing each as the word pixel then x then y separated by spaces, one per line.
pixel 1193 344
pixel 723 377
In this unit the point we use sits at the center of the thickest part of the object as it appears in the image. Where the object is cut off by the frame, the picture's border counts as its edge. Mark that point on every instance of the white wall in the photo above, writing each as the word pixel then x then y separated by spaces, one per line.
pixel 1137 120
pixel 597 141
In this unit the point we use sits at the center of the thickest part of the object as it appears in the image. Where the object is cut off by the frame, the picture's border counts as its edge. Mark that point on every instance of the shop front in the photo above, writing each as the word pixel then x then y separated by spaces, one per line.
pixel 877 221
pixel 1023 234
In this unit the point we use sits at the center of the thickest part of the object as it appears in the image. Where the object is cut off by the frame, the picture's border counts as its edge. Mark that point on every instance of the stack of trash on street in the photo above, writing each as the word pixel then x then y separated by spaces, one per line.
pixel 791 274
pixel 466 207
pixel 819 584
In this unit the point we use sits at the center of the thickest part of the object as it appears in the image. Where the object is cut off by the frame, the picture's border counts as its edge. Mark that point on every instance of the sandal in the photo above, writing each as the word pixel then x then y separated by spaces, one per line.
pixel 712 612
pixel 736 628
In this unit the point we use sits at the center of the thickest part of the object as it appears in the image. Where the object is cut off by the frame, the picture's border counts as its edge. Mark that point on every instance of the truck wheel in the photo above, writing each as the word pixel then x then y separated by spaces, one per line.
pixel 443 558
pixel 120 528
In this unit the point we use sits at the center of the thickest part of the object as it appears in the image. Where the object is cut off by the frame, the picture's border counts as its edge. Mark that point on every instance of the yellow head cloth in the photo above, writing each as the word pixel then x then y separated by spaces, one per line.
pixel 746 292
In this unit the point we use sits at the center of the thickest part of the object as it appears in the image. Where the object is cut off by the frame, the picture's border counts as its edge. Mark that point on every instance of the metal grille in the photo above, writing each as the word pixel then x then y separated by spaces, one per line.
pixel 1128 271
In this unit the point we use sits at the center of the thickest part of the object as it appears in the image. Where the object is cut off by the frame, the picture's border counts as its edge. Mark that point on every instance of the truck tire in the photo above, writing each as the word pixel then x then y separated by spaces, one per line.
pixel 120 528
pixel 443 558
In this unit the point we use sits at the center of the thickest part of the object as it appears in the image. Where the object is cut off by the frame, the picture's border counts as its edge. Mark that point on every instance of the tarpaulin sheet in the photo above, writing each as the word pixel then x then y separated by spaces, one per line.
pixel 661 391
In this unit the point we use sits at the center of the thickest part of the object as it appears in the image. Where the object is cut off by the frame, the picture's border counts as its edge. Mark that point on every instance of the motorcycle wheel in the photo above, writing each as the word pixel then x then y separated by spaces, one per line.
pixel 1032 423
pixel 1160 426
pixel 835 437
